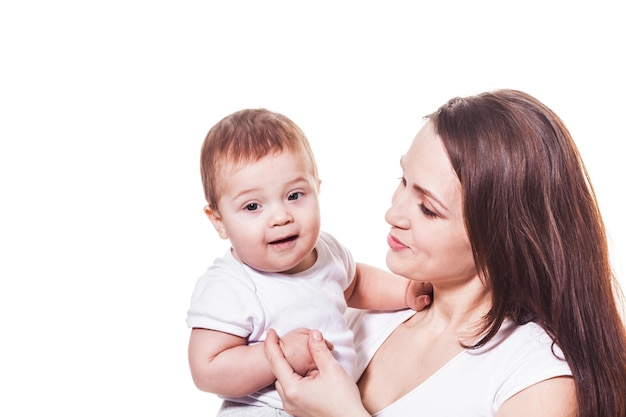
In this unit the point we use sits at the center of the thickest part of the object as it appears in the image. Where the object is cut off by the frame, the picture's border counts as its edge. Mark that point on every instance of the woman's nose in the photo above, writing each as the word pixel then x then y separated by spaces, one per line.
pixel 396 215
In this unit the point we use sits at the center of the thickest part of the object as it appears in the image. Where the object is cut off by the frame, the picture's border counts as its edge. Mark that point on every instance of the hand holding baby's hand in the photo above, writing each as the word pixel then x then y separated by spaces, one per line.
pixel 419 295
pixel 327 391
pixel 295 348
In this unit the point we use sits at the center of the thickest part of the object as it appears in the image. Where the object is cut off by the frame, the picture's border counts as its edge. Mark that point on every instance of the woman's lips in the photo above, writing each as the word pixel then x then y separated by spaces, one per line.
pixel 394 243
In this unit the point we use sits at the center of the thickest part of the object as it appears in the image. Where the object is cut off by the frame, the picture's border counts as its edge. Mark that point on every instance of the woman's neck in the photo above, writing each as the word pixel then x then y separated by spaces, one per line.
pixel 458 310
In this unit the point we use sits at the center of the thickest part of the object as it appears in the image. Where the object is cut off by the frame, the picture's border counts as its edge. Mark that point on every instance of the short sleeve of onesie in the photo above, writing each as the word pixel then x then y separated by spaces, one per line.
pixel 224 301
pixel 342 255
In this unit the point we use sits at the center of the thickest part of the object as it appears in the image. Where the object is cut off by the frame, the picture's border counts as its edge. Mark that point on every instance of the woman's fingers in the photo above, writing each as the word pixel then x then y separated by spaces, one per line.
pixel 326 391
pixel 320 350
pixel 279 365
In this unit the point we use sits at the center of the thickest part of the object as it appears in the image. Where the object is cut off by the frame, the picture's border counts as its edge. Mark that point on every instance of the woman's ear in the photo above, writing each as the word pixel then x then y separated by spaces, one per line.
pixel 216 220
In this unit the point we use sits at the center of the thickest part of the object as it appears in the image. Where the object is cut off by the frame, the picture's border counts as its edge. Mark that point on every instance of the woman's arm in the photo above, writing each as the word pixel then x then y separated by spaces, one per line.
pixel 325 392
pixel 555 397
pixel 375 289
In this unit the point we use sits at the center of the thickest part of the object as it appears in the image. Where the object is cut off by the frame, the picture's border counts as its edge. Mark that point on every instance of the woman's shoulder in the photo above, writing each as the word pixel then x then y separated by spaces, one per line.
pixel 520 356
pixel 525 337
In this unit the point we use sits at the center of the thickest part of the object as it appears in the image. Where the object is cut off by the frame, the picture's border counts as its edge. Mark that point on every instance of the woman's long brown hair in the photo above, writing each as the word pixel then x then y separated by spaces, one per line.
pixel 538 237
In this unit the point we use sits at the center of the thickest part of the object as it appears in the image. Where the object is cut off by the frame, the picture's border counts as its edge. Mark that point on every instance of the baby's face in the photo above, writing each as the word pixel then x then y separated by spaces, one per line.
pixel 269 210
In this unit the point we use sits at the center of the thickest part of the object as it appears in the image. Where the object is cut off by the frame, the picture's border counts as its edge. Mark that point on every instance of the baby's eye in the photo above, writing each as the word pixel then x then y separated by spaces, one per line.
pixel 402 181
pixel 294 196
pixel 252 207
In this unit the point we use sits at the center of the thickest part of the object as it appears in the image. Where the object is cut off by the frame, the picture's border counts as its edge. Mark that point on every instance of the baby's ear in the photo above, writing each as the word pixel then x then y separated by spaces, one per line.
pixel 216 220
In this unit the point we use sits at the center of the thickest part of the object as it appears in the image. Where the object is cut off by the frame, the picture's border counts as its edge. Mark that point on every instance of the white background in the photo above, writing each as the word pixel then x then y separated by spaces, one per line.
pixel 103 108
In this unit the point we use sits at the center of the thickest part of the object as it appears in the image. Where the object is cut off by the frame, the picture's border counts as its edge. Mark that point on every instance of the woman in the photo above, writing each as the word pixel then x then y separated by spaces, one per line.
pixel 496 210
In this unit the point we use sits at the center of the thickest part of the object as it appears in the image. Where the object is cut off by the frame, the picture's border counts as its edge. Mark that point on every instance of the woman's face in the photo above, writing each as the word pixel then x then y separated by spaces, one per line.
pixel 428 240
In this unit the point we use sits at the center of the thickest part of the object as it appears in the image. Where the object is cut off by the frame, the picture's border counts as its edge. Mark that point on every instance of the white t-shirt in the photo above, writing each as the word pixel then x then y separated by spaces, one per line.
pixel 474 382
pixel 233 298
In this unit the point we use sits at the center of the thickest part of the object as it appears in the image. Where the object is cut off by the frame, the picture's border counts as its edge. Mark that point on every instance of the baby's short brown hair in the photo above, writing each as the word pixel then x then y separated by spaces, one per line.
pixel 247 136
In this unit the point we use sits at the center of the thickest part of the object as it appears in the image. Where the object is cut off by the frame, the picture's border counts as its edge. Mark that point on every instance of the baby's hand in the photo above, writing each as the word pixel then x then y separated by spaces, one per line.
pixel 295 347
pixel 419 295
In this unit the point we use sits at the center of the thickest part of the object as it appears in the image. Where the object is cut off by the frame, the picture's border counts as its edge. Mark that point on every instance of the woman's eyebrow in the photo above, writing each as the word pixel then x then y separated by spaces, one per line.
pixel 430 196
pixel 426 192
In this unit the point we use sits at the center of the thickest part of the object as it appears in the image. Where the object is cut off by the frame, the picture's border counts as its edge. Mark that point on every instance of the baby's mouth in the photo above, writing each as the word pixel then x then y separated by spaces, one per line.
pixel 284 240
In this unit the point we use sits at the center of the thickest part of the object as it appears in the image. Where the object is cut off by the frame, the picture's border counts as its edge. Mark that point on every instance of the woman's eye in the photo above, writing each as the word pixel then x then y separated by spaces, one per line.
pixel 294 196
pixel 402 181
pixel 428 213
pixel 252 207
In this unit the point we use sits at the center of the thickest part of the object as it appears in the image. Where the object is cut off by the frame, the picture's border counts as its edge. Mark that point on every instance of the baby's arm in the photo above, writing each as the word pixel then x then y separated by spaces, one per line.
pixel 225 364
pixel 375 289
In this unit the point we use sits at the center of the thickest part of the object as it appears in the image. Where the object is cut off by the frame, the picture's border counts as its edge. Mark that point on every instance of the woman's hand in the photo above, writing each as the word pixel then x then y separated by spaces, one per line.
pixel 327 391
pixel 294 346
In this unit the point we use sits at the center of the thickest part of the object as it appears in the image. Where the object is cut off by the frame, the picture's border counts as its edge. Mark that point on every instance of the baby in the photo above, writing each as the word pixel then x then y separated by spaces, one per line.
pixel 261 184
